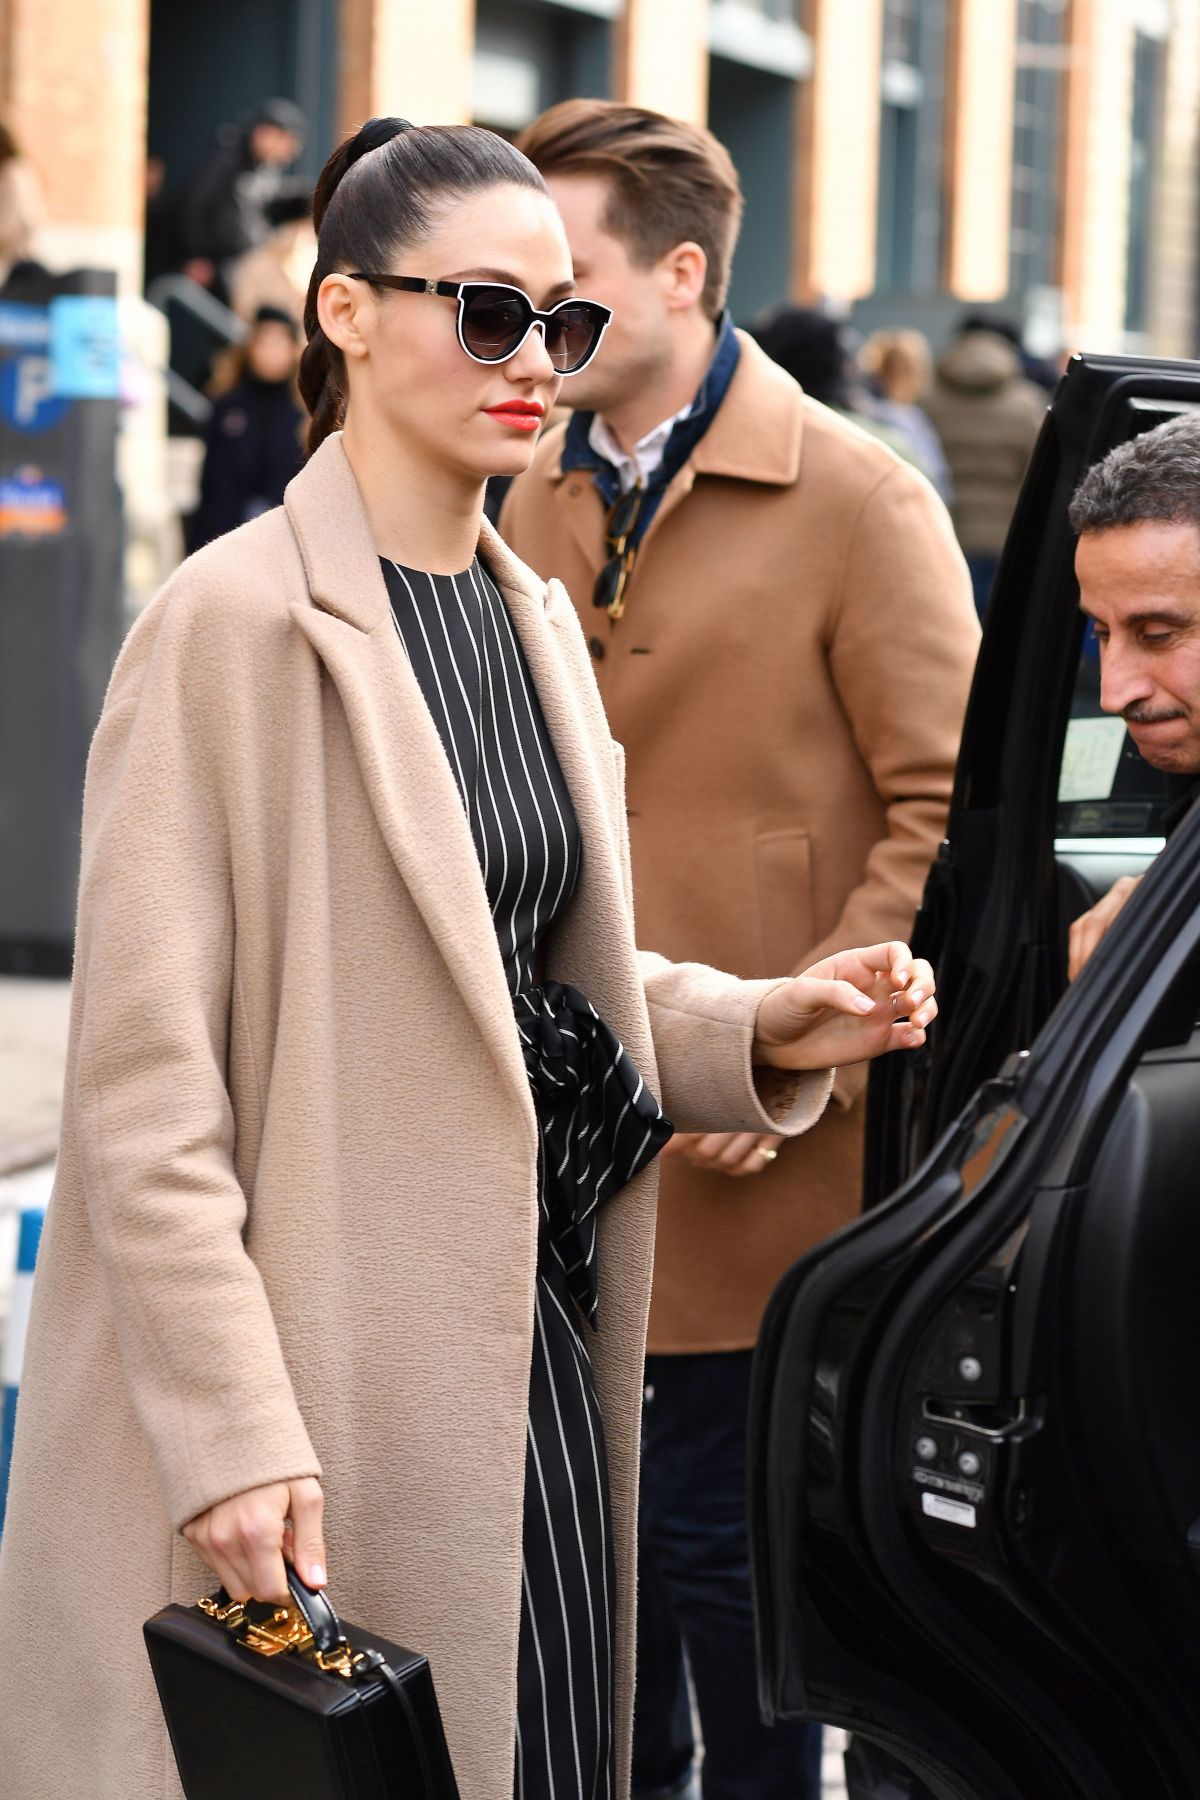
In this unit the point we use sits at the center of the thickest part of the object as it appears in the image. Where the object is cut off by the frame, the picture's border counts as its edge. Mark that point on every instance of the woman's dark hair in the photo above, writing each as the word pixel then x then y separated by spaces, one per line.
pixel 379 192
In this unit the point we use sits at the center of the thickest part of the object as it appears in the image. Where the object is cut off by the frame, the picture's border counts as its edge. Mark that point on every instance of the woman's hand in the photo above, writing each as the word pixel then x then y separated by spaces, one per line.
pixel 725 1152
pixel 244 1539
pixel 846 1009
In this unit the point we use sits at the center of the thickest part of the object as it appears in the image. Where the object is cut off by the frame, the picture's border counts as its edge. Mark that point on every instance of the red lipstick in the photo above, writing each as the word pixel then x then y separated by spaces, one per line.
pixel 521 415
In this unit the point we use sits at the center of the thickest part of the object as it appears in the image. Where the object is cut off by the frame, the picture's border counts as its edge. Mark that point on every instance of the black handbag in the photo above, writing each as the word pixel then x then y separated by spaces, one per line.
pixel 278 1697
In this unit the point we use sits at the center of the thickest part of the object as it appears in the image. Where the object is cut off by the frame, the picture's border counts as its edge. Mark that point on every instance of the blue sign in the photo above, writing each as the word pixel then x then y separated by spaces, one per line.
pixel 31 506
pixel 23 327
pixel 85 346
pixel 28 399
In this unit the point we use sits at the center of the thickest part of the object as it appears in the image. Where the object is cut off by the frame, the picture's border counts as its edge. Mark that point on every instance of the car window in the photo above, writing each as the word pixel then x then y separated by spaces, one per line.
pixel 1105 789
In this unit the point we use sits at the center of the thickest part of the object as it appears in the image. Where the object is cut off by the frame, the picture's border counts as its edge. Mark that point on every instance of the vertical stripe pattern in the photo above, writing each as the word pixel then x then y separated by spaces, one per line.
pixel 599 1125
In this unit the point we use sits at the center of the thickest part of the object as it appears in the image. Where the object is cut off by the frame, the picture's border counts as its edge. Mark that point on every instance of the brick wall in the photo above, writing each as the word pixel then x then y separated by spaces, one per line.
pixel 73 89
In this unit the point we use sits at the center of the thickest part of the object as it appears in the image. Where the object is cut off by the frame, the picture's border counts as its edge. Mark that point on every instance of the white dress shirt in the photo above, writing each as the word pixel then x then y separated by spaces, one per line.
pixel 647 452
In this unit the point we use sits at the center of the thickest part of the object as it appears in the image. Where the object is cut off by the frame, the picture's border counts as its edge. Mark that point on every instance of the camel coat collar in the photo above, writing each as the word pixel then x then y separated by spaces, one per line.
pixel 755 436
pixel 404 765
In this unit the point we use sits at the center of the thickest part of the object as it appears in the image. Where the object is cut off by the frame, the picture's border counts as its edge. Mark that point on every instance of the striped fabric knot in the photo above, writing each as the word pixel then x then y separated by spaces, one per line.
pixel 600 1123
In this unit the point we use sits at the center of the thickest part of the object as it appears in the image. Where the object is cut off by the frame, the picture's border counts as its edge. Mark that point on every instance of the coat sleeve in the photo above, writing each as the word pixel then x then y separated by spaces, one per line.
pixel 702 1023
pixel 902 646
pixel 154 1120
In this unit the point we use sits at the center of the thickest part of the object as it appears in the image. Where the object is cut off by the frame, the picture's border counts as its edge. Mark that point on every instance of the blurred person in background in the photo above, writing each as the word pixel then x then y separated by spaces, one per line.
pixel 223 210
pixel 20 205
pixel 988 415
pixel 1043 371
pixel 761 585
pixel 815 349
pixel 899 366
pixel 276 272
pixel 161 249
pixel 252 443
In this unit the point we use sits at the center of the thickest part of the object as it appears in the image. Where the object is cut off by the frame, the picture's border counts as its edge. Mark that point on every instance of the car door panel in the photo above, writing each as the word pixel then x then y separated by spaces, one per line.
pixel 1003 1305
pixel 975 1478
pixel 1089 866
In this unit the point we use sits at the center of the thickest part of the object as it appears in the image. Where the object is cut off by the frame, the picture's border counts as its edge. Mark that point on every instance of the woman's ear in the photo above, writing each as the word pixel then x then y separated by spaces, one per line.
pixel 684 270
pixel 342 306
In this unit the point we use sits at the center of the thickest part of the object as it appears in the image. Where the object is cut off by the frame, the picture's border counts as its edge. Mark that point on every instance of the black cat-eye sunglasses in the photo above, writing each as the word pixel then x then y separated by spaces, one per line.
pixel 494 320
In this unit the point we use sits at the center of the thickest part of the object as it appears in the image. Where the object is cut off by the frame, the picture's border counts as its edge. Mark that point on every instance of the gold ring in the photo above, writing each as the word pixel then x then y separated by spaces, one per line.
pixel 767 1155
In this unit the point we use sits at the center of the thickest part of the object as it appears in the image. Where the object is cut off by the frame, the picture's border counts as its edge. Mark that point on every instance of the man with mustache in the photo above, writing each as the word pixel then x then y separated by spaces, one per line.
pixel 1137 513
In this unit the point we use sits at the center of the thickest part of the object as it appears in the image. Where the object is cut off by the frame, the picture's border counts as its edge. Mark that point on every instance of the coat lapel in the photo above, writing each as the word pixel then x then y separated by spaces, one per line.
pixel 403 765
pixel 585 515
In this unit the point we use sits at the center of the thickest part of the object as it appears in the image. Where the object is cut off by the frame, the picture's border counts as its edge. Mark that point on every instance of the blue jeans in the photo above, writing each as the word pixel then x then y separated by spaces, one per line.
pixel 694 1598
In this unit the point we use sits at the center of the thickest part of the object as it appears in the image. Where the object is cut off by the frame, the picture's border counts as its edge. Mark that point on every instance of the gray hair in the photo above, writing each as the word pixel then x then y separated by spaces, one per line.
pixel 1153 477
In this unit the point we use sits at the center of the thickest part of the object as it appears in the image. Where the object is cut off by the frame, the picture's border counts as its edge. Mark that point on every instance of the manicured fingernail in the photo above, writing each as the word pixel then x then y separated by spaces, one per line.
pixel 917 995
pixel 316 1575
pixel 864 1003
pixel 901 975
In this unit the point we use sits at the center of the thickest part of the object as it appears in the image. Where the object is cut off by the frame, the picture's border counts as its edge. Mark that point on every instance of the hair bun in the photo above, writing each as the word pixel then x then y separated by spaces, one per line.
pixel 371 136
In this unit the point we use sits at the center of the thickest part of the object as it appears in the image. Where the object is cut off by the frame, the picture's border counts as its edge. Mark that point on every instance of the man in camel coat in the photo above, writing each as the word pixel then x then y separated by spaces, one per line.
pixel 759 629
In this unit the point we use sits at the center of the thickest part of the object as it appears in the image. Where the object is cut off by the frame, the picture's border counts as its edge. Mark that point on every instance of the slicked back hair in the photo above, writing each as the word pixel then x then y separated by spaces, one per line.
pixel 378 193
pixel 1154 477
pixel 669 182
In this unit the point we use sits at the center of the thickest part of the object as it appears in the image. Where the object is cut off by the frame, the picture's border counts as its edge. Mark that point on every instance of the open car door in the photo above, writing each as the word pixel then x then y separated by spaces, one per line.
pixel 1051 799
pixel 975 1454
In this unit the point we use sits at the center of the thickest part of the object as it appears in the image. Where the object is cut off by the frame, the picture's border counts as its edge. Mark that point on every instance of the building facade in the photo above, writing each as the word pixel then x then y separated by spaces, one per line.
pixel 901 158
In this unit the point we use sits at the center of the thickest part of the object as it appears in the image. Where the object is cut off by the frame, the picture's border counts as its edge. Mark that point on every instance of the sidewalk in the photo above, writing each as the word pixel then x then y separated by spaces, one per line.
pixel 33 1047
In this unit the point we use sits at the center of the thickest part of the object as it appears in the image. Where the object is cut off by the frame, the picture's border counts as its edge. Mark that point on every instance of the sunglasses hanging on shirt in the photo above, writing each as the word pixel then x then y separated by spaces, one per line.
pixel 613 579
pixel 494 320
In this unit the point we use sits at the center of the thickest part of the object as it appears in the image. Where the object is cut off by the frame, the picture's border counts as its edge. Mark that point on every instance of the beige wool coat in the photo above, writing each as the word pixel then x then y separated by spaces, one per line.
pixel 293 1230
pixel 788 682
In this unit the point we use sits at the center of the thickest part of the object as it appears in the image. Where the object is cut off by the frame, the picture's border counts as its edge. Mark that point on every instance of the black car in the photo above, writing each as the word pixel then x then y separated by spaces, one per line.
pixel 975 1445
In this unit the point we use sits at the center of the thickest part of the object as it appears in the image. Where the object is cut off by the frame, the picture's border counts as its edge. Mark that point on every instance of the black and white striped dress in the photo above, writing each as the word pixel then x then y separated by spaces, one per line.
pixel 599 1126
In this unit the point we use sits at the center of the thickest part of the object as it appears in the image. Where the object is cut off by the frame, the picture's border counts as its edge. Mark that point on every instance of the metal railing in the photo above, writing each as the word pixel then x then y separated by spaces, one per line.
pixel 213 315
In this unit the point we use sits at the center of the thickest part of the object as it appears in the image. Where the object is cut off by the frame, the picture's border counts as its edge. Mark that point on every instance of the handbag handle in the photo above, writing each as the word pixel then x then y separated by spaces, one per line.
pixel 319 1614
pixel 314 1607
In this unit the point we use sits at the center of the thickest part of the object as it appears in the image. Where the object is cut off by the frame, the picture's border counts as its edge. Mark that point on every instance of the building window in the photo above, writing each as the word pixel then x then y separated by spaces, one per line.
pixel 529 54
pixel 908 241
pixel 785 11
pixel 1149 73
pixel 1041 55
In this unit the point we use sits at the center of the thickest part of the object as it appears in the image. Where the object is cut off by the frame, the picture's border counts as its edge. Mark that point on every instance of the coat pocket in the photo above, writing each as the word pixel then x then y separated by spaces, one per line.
pixel 783 870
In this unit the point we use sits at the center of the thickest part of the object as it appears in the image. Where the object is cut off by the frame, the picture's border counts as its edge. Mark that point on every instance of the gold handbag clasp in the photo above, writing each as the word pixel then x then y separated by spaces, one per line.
pixel 286 1631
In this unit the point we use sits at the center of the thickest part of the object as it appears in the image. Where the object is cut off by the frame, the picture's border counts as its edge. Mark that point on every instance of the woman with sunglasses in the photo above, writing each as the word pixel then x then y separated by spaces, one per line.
pixel 355 1198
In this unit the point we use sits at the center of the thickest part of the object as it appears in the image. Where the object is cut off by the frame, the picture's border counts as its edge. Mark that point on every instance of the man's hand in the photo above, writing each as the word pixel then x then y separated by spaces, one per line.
pixel 725 1152
pixel 1091 926
pixel 244 1538
pixel 848 1008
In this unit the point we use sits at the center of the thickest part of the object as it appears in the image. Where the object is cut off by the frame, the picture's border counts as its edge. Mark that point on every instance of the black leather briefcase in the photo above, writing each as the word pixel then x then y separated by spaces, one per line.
pixel 283 1700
